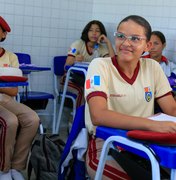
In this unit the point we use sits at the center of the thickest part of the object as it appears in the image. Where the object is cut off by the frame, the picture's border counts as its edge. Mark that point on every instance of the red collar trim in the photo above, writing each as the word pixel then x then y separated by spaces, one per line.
pixel 2 53
pixel 130 81
pixel 163 58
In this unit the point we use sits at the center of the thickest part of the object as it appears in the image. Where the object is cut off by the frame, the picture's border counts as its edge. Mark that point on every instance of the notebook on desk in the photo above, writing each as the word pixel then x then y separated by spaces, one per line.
pixel 163 117
pixel 168 139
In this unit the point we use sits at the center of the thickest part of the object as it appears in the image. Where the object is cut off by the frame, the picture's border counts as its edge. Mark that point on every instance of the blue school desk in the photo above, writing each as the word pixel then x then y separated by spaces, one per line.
pixel 166 154
pixel 32 68
pixel 13 84
pixel 79 68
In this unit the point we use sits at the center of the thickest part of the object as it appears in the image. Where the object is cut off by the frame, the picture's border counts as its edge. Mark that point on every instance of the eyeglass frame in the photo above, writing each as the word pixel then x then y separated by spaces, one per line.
pixel 140 38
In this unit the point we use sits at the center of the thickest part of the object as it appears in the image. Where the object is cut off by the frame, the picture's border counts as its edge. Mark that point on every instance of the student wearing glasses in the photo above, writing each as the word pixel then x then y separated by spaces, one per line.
pixel 158 41
pixel 123 92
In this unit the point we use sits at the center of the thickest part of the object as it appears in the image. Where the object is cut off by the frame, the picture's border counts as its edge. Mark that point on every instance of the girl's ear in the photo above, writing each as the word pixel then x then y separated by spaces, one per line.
pixel 148 46
pixel 4 34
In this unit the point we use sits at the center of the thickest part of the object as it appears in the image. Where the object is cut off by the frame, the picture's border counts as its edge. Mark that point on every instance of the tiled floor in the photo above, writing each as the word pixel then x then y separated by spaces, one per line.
pixel 63 133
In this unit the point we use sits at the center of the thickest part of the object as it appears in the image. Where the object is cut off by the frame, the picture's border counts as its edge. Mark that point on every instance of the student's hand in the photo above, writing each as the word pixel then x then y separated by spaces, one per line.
pixel 103 39
pixel 79 58
pixel 163 126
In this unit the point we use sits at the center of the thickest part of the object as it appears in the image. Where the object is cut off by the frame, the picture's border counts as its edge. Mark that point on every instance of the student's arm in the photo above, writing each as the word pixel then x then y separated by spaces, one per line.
pixel 71 59
pixel 101 116
pixel 104 39
pixel 9 91
pixel 167 104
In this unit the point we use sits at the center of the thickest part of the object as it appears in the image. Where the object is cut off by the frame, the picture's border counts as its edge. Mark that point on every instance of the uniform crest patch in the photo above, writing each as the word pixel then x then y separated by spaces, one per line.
pixel 148 94
pixel 93 81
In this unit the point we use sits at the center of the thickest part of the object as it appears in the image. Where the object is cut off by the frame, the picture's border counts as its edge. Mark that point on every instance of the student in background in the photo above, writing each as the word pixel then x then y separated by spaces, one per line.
pixel 18 122
pixel 156 52
pixel 124 92
pixel 93 37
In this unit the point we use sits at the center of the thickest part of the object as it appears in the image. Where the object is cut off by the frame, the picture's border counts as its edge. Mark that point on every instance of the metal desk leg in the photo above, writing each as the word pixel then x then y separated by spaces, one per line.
pixel 62 101
pixel 64 93
pixel 122 140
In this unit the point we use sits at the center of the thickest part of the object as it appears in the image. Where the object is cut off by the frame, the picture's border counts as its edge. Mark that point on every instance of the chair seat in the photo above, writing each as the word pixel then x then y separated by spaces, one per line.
pixel 36 95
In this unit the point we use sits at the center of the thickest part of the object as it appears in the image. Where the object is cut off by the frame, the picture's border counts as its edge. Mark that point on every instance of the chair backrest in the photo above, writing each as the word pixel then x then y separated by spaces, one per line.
pixel 23 58
pixel 58 64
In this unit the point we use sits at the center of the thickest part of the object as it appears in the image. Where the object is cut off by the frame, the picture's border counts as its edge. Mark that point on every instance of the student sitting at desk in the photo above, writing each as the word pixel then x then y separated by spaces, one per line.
pixel 18 122
pixel 93 37
pixel 123 91
pixel 158 41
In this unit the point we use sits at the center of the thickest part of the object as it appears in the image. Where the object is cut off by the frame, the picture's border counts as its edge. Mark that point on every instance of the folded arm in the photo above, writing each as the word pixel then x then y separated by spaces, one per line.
pixel 102 116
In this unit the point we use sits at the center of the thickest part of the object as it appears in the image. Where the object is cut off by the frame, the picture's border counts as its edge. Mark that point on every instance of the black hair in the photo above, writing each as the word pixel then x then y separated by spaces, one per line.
pixel 160 35
pixel 141 21
pixel 86 29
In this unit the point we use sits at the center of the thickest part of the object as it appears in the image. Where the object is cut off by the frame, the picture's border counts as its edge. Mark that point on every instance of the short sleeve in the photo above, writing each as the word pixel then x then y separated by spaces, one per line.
pixel 13 60
pixel 97 79
pixel 75 48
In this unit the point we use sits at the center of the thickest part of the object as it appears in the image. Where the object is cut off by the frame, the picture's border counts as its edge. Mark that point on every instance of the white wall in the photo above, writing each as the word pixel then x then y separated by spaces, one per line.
pixel 46 28
pixel 161 15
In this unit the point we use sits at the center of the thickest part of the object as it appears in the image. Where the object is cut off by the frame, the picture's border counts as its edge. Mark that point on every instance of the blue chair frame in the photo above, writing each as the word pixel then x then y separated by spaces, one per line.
pixel 58 67
pixel 36 95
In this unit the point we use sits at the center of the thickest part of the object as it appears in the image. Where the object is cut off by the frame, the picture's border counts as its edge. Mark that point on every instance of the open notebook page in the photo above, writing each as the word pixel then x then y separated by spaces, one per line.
pixel 163 117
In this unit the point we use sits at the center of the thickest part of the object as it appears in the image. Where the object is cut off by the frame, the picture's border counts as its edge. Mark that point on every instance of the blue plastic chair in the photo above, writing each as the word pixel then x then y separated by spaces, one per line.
pixel 76 144
pixel 34 96
pixel 58 66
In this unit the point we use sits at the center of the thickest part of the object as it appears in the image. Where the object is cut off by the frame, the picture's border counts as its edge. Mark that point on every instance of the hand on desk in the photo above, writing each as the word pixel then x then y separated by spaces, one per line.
pixel 79 58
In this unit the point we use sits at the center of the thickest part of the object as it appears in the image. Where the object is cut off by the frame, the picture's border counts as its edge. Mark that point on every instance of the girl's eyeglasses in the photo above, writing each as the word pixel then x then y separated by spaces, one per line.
pixel 133 40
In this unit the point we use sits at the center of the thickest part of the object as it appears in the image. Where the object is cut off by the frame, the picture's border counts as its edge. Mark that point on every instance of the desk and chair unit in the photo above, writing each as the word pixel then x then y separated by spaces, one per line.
pixel 79 68
pixel 166 154
pixel 37 100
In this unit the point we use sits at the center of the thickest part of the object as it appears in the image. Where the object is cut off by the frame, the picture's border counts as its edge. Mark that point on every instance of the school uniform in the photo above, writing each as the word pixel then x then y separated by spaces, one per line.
pixel 167 66
pixel 133 96
pixel 76 48
pixel 18 123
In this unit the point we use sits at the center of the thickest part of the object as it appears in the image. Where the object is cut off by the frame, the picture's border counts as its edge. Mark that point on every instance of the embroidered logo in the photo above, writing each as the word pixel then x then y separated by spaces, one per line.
pixel 93 81
pixel 148 94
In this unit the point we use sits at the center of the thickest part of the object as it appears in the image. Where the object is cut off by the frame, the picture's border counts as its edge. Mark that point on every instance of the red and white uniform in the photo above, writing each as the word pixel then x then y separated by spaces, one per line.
pixel 167 66
pixel 80 47
pixel 133 96
pixel 18 123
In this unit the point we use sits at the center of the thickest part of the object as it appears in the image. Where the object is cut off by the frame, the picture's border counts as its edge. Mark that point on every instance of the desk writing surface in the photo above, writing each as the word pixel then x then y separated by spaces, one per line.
pixel 166 154
pixel 78 65
pixel 13 84
pixel 31 67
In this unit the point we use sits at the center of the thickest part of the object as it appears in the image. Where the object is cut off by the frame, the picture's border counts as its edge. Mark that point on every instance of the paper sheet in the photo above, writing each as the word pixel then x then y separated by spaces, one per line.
pixel 163 117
